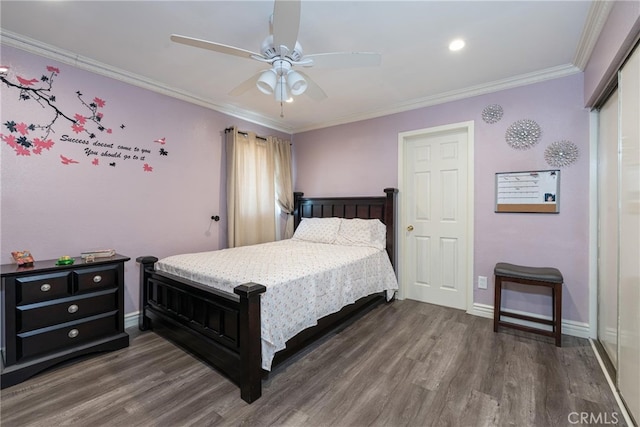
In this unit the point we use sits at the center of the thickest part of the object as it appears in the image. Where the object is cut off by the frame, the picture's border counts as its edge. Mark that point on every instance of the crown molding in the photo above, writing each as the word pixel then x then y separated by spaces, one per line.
pixel 596 18
pixel 27 44
pixel 455 95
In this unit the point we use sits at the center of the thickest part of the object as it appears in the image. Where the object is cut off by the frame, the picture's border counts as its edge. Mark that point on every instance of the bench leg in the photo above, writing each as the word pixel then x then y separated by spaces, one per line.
pixel 497 302
pixel 557 307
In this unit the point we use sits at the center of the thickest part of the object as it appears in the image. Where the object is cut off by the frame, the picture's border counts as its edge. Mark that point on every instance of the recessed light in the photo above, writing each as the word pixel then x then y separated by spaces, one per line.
pixel 455 45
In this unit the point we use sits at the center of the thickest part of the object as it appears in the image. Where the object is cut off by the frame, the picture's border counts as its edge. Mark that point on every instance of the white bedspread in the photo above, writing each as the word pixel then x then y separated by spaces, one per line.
pixel 305 281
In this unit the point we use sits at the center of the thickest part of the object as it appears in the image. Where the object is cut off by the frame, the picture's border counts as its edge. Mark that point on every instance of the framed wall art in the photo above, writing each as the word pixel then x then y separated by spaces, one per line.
pixel 528 191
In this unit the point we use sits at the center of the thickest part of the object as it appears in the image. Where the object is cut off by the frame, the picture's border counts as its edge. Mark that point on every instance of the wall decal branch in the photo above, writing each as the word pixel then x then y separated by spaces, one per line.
pixel 20 136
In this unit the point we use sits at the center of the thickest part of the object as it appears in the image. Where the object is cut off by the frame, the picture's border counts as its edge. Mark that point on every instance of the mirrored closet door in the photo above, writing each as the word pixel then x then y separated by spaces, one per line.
pixel 619 233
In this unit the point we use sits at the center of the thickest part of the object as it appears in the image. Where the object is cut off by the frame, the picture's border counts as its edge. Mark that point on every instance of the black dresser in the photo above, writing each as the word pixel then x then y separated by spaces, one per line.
pixel 56 313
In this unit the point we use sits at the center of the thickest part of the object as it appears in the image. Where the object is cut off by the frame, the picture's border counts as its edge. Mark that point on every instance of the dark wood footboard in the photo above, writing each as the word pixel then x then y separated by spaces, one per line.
pixel 221 328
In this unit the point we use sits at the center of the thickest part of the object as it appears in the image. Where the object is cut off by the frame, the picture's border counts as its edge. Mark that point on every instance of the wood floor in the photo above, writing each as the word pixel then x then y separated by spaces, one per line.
pixel 401 364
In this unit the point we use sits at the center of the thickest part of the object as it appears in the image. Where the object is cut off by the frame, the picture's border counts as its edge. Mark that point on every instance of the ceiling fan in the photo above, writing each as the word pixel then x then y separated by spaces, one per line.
pixel 283 53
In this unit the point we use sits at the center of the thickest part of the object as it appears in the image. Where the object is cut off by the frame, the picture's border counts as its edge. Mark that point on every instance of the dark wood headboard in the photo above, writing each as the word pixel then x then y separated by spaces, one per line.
pixel 382 208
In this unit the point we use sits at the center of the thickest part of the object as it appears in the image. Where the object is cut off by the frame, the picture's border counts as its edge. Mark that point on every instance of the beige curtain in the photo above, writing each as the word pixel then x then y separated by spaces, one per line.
pixel 250 189
pixel 258 173
pixel 284 180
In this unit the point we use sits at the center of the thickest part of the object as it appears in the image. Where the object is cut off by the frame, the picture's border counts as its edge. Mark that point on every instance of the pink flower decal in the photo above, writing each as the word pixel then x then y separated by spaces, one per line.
pixel 40 144
pixel 10 139
pixel 77 128
pixel 99 102
pixel 53 69
pixel 22 151
pixel 23 128
pixel 80 119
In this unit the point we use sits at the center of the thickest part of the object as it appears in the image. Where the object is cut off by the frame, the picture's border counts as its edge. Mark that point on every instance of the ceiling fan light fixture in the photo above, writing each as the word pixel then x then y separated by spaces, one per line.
pixel 297 84
pixel 282 51
pixel 267 82
pixel 281 92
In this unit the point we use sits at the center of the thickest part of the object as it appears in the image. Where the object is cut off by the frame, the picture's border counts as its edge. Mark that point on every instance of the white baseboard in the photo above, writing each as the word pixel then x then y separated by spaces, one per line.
pixel 131 320
pixel 569 327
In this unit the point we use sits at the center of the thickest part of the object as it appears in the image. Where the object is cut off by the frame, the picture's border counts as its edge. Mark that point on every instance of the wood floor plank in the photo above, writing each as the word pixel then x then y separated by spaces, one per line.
pixel 408 405
pixel 401 364
pixel 481 410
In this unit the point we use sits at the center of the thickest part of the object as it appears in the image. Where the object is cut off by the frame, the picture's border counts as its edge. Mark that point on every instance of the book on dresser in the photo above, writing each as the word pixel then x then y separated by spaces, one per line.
pixel 53 313
pixel 100 253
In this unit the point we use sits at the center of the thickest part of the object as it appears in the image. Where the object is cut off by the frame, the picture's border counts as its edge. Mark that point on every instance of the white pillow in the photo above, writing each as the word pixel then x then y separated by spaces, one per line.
pixel 319 230
pixel 362 232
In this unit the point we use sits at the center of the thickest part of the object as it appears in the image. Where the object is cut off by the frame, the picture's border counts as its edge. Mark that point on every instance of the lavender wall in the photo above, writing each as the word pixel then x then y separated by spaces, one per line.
pixel 362 158
pixel 56 209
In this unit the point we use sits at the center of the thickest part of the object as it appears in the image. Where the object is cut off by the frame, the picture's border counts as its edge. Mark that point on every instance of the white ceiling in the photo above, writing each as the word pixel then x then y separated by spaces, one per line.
pixel 508 43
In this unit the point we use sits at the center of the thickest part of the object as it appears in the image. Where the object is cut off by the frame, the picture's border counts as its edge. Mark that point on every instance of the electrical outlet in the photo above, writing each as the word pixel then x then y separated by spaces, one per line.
pixel 482 282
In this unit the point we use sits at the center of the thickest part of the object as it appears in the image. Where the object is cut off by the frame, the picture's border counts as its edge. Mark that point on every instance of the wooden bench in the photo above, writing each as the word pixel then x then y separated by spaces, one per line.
pixel 533 276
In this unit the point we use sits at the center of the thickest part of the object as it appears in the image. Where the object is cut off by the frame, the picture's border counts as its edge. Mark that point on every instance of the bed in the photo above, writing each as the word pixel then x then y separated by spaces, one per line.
pixel 232 326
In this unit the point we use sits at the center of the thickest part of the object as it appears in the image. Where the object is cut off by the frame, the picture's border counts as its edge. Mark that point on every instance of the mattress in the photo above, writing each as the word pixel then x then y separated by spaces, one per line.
pixel 305 281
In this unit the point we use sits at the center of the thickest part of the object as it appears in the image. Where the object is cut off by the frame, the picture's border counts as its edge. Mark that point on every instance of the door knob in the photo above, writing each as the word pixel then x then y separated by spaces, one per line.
pixel 410 228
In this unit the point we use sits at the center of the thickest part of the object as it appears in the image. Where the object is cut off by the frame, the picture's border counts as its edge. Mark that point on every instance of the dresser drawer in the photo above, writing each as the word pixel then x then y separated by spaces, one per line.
pixel 67 335
pixel 92 279
pixel 34 316
pixel 30 289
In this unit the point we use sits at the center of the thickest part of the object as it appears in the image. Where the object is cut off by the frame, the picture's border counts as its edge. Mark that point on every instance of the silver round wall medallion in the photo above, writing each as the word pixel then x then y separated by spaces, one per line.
pixel 492 113
pixel 561 153
pixel 523 134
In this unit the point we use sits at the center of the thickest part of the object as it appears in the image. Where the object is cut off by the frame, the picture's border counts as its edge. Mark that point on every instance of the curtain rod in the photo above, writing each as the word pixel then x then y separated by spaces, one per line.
pixel 227 130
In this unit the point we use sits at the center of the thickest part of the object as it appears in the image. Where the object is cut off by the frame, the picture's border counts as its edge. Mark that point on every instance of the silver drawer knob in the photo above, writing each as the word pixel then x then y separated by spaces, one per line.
pixel 72 308
pixel 73 333
pixel 97 278
pixel 45 288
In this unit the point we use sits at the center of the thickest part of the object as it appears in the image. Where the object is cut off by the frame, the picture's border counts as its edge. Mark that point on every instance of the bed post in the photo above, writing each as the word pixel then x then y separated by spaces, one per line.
pixel 389 220
pixel 146 269
pixel 250 340
pixel 297 214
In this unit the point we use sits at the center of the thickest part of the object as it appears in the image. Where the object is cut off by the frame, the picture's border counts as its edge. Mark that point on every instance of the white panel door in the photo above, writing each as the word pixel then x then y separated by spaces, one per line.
pixel 435 234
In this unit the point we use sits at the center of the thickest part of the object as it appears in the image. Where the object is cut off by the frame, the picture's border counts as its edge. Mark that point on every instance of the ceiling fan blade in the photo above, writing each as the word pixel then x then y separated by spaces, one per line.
pixel 286 23
pixel 216 47
pixel 314 91
pixel 344 59
pixel 245 85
